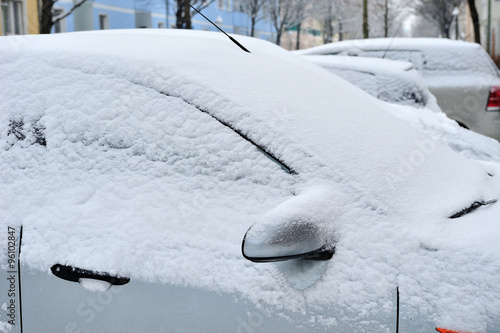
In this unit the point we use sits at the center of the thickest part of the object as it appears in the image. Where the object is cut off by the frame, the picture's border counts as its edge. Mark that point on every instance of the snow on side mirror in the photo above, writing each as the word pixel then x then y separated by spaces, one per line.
pixel 267 242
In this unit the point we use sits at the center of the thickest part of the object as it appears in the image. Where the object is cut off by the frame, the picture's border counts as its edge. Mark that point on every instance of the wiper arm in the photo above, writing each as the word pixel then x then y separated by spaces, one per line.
pixel 475 205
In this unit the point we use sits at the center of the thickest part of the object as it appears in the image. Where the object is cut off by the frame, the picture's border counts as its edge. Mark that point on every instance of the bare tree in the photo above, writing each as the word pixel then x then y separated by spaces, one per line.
pixel 183 12
pixel 328 18
pixel 47 19
pixel 388 14
pixel 439 13
pixel 330 12
pixel 284 15
pixel 255 10
pixel 301 11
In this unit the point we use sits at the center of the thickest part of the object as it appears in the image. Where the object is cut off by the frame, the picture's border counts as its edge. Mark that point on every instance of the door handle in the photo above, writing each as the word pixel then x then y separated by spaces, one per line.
pixel 74 274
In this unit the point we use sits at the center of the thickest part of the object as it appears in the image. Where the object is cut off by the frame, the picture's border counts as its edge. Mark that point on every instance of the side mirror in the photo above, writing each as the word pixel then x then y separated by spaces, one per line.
pixel 284 241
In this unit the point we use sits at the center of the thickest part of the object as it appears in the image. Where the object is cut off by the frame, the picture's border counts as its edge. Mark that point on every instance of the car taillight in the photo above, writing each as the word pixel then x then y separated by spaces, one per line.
pixel 444 330
pixel 494 100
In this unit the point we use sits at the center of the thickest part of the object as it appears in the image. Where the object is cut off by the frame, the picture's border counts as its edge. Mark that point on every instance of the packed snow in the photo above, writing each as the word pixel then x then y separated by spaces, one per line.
pixel 138 178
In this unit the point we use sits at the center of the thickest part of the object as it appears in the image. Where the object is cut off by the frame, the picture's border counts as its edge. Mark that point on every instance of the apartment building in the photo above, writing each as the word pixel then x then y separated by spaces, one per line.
pixel 19 17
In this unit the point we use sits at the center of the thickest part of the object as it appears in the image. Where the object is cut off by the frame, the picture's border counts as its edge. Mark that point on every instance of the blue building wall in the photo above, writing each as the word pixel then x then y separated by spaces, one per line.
pixel 127 14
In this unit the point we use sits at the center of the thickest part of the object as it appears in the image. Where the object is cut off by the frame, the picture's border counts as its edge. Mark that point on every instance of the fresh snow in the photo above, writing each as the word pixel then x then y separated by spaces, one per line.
pixel 442 62
pixel 389 80
pixel 138 181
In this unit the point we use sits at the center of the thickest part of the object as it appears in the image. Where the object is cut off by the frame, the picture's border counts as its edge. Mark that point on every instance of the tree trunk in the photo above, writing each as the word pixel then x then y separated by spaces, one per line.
pixel 297 44
pixel 475 21
pixel 46 16
pixel 187 17
pixel 252 31
pixel 366 32
pixel 386 19
pixel 327 31
pixel 179 13
pixel 182 16
pixel 341 31
pixel 446 30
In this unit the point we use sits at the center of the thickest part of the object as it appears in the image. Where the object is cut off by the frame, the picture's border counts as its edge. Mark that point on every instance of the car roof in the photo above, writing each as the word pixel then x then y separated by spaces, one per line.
pixel 397 43
pixel 363 64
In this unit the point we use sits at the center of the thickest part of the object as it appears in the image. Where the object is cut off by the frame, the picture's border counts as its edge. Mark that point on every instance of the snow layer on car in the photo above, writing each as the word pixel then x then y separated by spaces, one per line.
pixel 388 80
pixel 137 179
pixel 463 63
pixel 435 124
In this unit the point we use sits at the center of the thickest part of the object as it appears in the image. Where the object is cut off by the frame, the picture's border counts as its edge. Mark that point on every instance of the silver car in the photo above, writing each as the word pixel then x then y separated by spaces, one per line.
pixel 461 75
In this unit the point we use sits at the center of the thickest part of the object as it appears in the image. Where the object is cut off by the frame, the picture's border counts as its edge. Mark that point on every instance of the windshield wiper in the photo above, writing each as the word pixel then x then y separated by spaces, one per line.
pixel 475 205
pixel 260 148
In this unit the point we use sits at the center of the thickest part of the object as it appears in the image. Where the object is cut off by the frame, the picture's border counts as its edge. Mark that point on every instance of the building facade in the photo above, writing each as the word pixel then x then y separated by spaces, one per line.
pixel 18 17
pixel 127 14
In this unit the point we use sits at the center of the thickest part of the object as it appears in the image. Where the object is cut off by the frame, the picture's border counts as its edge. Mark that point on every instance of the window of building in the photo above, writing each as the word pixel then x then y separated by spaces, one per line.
pixel 238 5
pixel 103 22
pixel 59 26
pixel 12 17
pixel 220 4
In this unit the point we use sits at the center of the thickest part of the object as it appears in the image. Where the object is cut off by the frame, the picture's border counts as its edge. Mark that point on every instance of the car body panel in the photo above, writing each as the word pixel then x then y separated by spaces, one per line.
pixel 155 307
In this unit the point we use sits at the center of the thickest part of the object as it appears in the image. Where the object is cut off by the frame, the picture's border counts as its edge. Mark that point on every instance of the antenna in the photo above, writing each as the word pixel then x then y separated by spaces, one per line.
pixel 215 25
pixel 392 40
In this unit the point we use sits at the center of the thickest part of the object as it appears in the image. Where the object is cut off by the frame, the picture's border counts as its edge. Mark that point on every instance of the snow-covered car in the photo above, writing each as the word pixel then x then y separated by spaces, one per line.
pixel 461 75
pixel 398 82
pixel 388 80
pixel 168 181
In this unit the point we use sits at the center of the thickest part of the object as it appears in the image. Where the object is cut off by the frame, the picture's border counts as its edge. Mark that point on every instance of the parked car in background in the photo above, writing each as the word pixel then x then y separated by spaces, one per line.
pixel 150 178
pixel 388 80
pixel 398 82
pixel 461 75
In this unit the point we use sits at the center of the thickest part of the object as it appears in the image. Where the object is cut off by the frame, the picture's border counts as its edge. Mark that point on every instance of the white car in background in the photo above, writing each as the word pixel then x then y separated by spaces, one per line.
pixel 150 179
pixel 399 83
pixel 461 75
pixel 390 81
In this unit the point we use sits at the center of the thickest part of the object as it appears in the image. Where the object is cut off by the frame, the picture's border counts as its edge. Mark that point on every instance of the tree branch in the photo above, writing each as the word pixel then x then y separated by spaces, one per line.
pixel 68 13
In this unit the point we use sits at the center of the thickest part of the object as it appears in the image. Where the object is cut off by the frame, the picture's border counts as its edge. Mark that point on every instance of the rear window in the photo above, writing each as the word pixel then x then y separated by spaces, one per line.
pixel 464 60
pixel 435 60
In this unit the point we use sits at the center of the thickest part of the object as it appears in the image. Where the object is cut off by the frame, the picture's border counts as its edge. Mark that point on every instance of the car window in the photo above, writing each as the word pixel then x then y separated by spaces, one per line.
pixel 388 88
pixel 459 62
pixel 366 81
pixel 413 56
pixel 81 113
pixel 401 91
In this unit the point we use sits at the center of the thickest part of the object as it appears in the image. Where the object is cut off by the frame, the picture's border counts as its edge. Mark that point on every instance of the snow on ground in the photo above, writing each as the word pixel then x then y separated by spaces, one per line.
pixel 136 180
